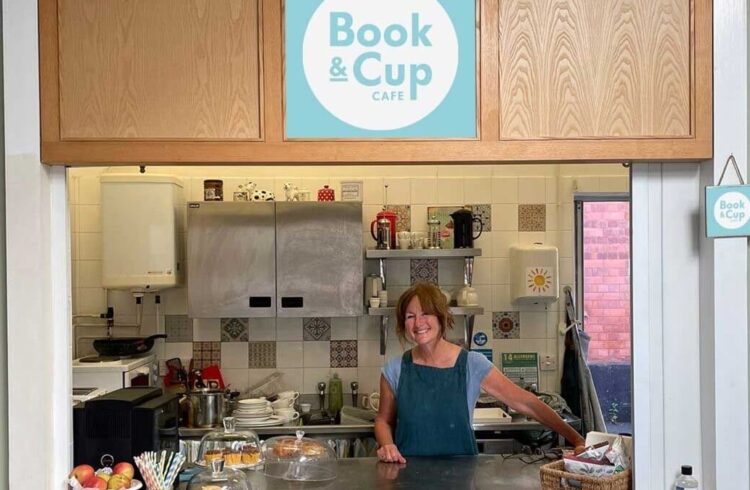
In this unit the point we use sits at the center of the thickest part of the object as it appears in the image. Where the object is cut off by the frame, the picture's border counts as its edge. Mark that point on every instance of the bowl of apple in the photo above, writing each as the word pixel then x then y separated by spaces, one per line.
pixel 117 477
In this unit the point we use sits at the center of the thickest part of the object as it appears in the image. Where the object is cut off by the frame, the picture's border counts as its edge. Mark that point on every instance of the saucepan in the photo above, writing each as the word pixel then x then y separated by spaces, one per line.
pixel 125 346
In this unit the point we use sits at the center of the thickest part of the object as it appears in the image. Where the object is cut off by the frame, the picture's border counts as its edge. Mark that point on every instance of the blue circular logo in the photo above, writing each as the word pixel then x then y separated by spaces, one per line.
pixel 480 338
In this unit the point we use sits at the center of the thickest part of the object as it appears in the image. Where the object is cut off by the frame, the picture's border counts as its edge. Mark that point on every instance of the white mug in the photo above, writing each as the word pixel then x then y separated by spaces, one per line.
pixel 404 239
pixel 282 403
pixel 293 395
pixel 287 413
pixel 371 401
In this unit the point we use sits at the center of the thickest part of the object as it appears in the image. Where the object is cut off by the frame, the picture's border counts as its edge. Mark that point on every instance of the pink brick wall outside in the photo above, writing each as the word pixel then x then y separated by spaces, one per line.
pixel 606 295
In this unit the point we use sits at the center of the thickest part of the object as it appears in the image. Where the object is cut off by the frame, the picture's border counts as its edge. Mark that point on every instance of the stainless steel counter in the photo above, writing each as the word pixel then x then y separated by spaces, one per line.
pixel 454 473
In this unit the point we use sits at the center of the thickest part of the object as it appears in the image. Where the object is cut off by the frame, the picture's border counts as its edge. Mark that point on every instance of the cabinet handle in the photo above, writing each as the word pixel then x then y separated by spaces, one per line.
pixel 292 302
pixel 260 302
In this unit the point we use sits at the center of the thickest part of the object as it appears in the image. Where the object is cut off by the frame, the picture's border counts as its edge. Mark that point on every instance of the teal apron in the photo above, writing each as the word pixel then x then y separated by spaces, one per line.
pixel 432 415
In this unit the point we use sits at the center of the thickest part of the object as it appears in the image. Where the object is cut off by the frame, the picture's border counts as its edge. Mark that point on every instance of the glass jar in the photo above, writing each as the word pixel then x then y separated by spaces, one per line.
pixel 213 190
pixel 298 459
pixel 218 478
pixel 238 449
pixel 433 232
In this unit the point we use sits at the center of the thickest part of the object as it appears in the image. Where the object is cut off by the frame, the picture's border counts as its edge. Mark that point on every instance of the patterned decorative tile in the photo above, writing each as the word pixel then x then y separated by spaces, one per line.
pixel 403 211
pixel 316 329
pixel 484 213
pixel 206 354
pixel 532 217
pixel 343 353
pixel 234 329
pixel 506 325
pixel 424 270
pixel 262 354
pixel 179 328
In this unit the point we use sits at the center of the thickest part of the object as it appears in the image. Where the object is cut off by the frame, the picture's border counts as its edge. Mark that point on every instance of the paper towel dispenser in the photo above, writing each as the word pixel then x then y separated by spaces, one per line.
pixel 534 273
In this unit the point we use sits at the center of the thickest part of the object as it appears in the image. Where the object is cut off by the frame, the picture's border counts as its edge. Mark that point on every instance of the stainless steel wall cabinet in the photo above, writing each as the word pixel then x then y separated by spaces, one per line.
pixel 286 259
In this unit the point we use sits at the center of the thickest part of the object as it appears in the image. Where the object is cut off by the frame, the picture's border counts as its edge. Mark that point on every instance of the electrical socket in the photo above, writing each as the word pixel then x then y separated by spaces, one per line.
pixel 548 363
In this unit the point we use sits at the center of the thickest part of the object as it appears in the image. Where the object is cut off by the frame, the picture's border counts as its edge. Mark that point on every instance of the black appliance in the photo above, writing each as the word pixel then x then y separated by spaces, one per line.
pixel 123 424
pixel 463 228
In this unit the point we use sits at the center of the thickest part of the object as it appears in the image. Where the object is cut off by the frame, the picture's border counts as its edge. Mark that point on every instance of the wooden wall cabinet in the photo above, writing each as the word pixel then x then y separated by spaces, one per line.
pixel 199 81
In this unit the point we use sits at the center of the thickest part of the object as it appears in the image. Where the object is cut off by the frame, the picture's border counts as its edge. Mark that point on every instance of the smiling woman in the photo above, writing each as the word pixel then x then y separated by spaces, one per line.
pixel 428 394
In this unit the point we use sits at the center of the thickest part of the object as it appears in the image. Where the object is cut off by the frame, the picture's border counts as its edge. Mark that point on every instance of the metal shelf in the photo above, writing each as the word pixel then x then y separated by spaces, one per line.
pixel 442 253
pixel 455 310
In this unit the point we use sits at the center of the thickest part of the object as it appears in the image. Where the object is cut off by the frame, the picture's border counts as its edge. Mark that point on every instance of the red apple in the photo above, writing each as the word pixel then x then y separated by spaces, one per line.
pixel 118 482
pixel 82 472
pixel 95 482
pixel 124 468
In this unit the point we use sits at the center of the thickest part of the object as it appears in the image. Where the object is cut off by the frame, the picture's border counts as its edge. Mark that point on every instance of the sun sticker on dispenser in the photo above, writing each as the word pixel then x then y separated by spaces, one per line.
pixel 538 280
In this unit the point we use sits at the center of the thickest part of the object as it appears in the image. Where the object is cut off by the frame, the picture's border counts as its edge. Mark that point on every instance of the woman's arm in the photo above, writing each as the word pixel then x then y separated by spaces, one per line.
pixel 385 421
pixel 499 386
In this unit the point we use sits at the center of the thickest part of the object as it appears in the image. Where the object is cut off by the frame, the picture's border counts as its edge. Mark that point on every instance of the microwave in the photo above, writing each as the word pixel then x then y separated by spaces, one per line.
pixel 110 375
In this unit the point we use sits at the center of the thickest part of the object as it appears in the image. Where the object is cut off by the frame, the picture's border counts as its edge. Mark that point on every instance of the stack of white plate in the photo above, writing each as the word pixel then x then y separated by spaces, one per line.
pixel 255 412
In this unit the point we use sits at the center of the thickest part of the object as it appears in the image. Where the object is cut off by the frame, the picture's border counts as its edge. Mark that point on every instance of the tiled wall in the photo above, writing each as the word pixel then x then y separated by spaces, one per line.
pixel 518 204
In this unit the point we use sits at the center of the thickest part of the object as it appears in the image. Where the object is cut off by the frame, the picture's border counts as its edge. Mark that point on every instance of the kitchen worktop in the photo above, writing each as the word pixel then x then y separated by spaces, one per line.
pixel 455 473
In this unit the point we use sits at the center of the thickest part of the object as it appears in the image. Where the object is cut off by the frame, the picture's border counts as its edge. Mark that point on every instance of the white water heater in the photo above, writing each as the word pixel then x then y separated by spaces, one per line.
pixel 142 222
pixel 534 274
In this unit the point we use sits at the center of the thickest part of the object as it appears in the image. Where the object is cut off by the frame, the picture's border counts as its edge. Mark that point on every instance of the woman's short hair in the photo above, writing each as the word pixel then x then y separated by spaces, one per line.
pixel 432 301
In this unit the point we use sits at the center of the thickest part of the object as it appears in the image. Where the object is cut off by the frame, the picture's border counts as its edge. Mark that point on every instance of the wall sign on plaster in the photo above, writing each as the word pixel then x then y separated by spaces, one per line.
pixel 360 69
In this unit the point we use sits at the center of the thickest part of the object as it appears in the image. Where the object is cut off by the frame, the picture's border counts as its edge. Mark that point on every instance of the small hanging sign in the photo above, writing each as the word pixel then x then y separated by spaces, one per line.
pixel 728 207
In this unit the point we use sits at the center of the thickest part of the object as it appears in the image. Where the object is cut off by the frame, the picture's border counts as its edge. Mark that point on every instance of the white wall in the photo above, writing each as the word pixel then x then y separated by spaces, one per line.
pixel 37 273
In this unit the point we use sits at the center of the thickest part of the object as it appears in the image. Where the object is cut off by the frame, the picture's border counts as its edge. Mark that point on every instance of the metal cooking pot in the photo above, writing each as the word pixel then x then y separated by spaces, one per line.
pixel 125 346
pixel 206 408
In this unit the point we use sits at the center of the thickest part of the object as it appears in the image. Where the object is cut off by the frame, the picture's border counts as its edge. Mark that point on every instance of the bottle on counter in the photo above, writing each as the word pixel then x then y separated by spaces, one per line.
pixel 686 479
pixel 335 395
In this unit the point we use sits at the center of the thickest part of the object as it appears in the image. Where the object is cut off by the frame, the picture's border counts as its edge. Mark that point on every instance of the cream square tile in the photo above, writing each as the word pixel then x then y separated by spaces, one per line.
pixel 419 217
pixel 551 186
pixel 262 329
pixel 288 329
pixel 89 273
pixel 256 375
pixel 566 217
pixel 505 217
pixel 566 243
pixel 369 353
pixel 532 190
pixel 450 272
pixel 587 184
pixel 423 191
pixel 234 355
pixel 89 218
pixel 533 325
pixel 485 301
pixel 73 189
pixel 343 329
pixel 183 350
pixel 206 330
pixel 289 354
pixel 292 379
pixel 554 322
pixel 91 301
pixel 373 191
pixel 501 298
pixel 450 191
pixel 529 237
pixel 89 191
pixel 368 328
pixel 397 272
pixel 485 243
pixel 567 270
pixel 399 190
pixel 311 378
pixel 500 271
pixel 369 213
pixel 347 375
pixel 614 184
pixel 551 217
pixel 317 353
pixel 483 171
pixel 504 190
pixel 477 190
pixel 369 379
pixel 89 246
pixel 450 170
pixel 501 242
pixel 174 301
pixel 504 346
pixel 482 271
pixel 534 345
pixel 236 379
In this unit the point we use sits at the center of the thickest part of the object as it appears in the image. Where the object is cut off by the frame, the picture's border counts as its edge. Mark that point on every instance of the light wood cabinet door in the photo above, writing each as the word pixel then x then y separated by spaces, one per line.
pixel 594 69
pixel 159 69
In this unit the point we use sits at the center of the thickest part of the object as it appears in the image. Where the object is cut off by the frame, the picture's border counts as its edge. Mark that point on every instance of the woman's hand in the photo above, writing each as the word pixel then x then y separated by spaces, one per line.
pixel 389 454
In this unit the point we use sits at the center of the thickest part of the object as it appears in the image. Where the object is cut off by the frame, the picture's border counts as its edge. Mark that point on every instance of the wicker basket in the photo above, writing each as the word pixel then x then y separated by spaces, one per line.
pixel 552 476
